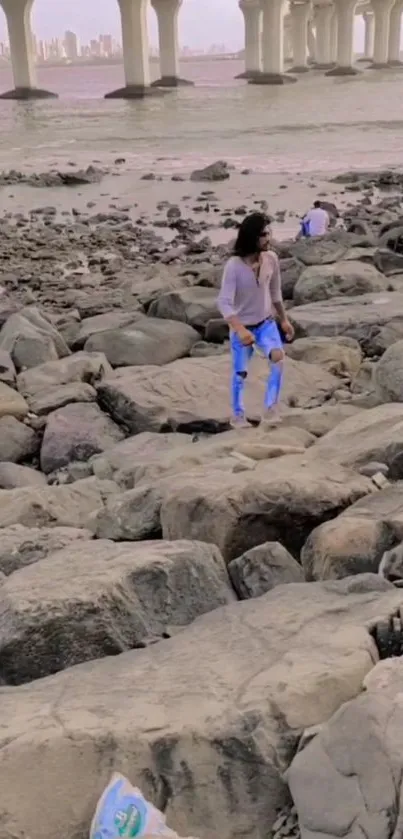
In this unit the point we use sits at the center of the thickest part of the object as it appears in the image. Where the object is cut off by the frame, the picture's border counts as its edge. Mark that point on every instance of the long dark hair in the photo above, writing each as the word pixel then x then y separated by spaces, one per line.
pixel 249 233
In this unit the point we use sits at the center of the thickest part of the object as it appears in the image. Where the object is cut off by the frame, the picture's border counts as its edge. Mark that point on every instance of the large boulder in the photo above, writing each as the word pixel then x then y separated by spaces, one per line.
pixel 76 432
pixel 281 500
pixel 371 435
pixel 94 599
pixel 350 278
pixel 204 723
pixel 46 401
pixel 338 355
pixel 13 476
pixel 102 323
pixel 55 506
pixel 7 369
pixel 262 568
pixel 195 306
pixel 389 374
pixel 359 317
pixel 18 442
pixel 356 759
pixel 148 341
pixel 217 171
pixel 31 340
pixel 21 546
pixel 196 390
pixel 12 404
pixel 319 421
pixel 147 448
pixel 80 367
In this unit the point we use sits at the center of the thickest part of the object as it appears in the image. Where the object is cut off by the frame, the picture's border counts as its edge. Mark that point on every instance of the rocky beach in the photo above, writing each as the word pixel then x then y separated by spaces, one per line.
pixel 195 606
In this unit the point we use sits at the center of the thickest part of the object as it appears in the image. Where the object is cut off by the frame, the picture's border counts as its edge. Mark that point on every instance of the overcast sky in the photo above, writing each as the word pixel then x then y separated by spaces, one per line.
pixel 200 21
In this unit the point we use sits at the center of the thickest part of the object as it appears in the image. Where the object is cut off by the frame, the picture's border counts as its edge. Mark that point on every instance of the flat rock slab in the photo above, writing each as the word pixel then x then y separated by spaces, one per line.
pixel 375 434
pixel 195 390
pixel 54 506
pixel 148 341
pixel 76 433
pixel 95 599
pixel 80 367
pixel 214 714
pixel 357 759
pixel 282 500
pixel 343 315
pixel 21 546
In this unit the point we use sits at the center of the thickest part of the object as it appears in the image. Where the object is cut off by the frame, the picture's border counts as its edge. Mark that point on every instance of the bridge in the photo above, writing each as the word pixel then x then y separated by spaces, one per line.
pixel 314 32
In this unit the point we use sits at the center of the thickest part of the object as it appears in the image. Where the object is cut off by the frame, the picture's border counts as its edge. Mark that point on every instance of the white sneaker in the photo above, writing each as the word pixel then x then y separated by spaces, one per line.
pixel 270 418
pixel 240 421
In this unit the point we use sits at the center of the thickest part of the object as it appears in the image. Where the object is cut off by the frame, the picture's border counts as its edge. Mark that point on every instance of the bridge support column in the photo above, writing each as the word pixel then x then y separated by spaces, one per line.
pixel 167 12
pixel 369 23
pixel 323 18
pixel 312 50
pixel 136 60
pixel 252 13
pixel 395 23
pixel 18 16
pixel 300 13
pixel 345 10
pixel 333 37
pixel 273 45
pixel 382 10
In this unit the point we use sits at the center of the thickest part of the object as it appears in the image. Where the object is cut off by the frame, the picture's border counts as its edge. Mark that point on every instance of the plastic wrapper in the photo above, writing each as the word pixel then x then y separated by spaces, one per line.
pixel 123 813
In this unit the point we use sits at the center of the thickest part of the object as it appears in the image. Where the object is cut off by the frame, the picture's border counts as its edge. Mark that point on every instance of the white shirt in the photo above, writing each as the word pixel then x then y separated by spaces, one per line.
pixel 318 221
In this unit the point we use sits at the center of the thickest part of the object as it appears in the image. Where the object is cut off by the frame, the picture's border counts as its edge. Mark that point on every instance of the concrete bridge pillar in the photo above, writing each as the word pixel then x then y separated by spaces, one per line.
pixel 345 11
pixel 333 37
pixel 18 17
pixel 369 22
pixel 167 12
pixel 136 59
pixel 300 14
pixel 395 26
pixel 382 10
pixel 252 12
pixel 323 19
pixel 273 44
pixel 311 42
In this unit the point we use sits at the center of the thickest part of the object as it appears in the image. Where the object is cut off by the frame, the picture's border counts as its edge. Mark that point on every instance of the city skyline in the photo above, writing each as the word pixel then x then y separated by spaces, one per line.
pixel 70 48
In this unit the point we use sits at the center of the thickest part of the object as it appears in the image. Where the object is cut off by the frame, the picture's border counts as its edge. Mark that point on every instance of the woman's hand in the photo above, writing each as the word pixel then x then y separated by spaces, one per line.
pixel 288 329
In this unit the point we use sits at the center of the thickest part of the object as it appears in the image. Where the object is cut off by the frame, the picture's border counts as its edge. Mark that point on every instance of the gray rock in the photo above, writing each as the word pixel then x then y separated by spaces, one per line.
pixel 374 434
pixel 358 317
pixel 214 172
pixel 12 404
pixel 371 468
pixel 195 306
pixel 76 432
pixel 291 270
pixel 57 397
pixel 192 393
pixel 144 448
pixel 60 506
pixel 262 568
pixel 102 323
pixel 282 500
pixel 338 355
pixel 7 369
pixel 21 546
pixel 148 341
pixel 13 476
pixel 116 597
pixel 31 340
pixel 388 374
pixel 356 758
pixel 17 441
pixel 321 282
pixel 389 262
pixel 287 674
pixel 80 367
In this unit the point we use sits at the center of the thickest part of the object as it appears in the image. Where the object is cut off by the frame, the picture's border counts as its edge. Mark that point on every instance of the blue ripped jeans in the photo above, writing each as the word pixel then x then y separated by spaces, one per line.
pixel 267 338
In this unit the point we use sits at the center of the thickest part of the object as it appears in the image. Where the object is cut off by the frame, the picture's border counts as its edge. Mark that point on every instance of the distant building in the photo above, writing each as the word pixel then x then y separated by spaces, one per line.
pixel 106 45
pixel 71 45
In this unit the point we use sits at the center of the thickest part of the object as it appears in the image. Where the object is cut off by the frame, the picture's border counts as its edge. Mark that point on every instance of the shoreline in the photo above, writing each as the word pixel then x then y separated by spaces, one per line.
pixel 146 194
